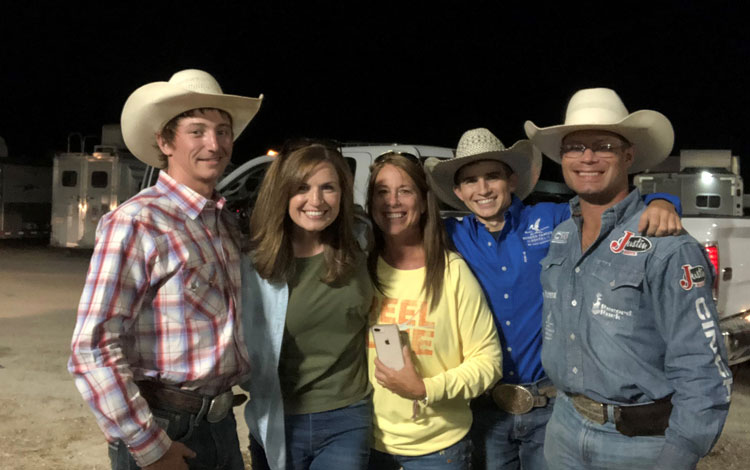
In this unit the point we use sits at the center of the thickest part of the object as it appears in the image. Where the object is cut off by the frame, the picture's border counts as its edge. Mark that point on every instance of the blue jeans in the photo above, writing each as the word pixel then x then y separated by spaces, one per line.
pixel 216 444
pixel 507 441
pixel 330 440
pixel 574 442
pixel 455 457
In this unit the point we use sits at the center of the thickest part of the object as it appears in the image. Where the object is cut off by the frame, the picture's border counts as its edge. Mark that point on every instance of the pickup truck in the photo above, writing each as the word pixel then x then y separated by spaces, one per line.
pixel 709 184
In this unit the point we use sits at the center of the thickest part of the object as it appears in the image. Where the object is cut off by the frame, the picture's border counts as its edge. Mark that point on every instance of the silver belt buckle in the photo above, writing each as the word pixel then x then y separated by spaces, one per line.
pixel 512 398
pixel 219 407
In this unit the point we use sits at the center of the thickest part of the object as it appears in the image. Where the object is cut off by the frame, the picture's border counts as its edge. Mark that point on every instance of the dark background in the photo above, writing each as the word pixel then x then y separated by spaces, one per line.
pixel 377 72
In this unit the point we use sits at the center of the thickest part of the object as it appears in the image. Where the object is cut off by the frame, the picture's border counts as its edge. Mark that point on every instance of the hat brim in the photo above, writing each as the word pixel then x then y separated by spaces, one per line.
pixel 151 106
pixel 649 131
pixel 522 158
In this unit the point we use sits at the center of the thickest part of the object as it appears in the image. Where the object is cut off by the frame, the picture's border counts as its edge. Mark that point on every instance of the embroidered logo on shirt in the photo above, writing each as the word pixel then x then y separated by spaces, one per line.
pixel 599 308
pixel 692 276
pixel 560 237
pixel 630 244
pixel 549 294
pixel 535 236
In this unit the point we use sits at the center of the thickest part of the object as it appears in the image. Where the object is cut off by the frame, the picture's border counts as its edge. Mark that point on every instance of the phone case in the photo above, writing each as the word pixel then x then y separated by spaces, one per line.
pixel 388 345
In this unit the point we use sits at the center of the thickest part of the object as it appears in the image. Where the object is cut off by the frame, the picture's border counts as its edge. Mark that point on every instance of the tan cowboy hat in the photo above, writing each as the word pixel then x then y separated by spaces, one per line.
pixel 480 144
pixel 151 106
pixel 602 109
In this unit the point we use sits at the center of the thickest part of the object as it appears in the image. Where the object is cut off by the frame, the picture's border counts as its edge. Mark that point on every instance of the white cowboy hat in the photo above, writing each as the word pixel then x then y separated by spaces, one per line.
pixel 602 109
pixel 480 144
pixel 151 106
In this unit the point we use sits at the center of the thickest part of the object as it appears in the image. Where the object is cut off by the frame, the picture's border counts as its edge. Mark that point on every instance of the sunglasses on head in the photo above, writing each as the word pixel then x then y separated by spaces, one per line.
pixel 384 157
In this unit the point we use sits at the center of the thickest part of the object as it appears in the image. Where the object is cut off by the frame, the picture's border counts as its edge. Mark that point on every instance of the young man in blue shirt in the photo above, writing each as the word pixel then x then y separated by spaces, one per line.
pixel 631 337
pixel 503 242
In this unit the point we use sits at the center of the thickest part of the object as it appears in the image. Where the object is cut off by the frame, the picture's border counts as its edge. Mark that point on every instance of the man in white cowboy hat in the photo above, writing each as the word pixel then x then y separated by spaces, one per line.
pixel 503 241
pixel 158 343
pixel 631 337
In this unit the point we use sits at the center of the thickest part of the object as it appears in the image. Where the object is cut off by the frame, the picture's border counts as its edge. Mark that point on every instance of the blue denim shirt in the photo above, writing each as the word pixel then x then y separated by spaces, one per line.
pixel 508 271
pixel 264 307
pixel 632 320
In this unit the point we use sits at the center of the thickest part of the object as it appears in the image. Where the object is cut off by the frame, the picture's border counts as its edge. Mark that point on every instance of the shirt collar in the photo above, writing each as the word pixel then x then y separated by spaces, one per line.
pixel 620 212
pixel 189 201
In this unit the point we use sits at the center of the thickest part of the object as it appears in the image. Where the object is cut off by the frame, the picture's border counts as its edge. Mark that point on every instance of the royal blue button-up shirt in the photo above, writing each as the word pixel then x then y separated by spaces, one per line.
pixel 508 270
pixel 632 320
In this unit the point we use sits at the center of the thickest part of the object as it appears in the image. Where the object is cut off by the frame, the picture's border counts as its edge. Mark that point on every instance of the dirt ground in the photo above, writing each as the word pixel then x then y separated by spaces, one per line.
pixel 44 423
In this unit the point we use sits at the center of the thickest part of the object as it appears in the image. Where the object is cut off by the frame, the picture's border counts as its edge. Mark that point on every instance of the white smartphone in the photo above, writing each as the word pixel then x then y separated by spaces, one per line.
pixel 388 345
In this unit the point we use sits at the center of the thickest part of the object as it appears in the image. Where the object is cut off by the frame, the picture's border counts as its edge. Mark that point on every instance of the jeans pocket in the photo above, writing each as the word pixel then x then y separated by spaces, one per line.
pixel 178 426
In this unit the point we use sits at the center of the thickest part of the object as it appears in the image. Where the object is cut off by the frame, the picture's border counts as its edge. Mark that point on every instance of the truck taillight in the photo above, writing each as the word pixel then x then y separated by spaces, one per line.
pixel 713 255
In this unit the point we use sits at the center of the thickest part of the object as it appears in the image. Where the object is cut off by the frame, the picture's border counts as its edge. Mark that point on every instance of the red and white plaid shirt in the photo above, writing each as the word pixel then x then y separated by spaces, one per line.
pixel 160 301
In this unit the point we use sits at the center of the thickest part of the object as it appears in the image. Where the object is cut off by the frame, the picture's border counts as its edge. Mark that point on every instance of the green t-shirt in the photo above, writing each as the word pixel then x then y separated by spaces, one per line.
pixel 323 362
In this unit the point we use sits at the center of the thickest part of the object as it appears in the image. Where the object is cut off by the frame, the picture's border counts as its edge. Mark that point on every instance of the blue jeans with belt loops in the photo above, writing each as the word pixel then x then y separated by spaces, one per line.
pixel 216 445
pixel 574 442
pixel 504 441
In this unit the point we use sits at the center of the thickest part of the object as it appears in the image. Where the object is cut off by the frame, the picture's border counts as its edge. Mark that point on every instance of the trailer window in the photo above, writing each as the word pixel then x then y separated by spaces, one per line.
pixel 708 201
pixel 99 179
pixel 69 178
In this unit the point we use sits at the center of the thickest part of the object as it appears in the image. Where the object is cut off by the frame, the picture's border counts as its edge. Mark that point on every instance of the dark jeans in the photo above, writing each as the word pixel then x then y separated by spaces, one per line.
pixel 330 440
pixel 216 444
pixel 455 457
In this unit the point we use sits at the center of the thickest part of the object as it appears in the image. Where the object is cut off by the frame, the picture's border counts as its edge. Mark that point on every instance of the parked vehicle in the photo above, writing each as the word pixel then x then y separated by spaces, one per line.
pixel 25 201
pixel 85 186
pixel 710 187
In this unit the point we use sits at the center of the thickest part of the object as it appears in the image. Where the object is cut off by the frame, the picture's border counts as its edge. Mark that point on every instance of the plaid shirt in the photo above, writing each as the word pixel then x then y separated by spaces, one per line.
pixel 160 301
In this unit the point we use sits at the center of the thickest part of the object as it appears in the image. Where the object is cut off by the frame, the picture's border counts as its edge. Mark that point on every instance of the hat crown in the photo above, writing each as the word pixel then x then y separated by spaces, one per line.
pixel 196 81
pixel 595 106
pixel 478 141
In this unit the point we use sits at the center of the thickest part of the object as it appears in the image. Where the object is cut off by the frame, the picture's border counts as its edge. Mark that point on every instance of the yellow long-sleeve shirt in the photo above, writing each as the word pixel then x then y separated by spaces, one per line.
pixel 455 348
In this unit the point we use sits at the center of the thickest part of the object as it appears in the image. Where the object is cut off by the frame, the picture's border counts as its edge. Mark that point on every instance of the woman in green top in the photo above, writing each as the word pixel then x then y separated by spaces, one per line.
pixel 302 239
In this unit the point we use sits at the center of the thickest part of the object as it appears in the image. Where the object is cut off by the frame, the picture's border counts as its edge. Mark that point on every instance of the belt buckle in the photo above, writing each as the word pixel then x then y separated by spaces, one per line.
pixel 590 409
pixel 219 407
pixel 512 398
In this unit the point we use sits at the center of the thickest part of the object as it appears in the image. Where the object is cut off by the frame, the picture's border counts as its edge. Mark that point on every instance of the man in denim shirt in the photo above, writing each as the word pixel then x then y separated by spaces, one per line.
pixel 503 241
pixel 631 337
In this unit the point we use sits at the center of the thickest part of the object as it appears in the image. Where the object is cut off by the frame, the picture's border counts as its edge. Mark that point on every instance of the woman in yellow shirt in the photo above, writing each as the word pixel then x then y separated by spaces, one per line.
pixel 421 412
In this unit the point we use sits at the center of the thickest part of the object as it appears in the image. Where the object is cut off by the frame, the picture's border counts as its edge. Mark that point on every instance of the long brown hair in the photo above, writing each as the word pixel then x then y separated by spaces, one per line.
pixel 271 227
pixel 434 240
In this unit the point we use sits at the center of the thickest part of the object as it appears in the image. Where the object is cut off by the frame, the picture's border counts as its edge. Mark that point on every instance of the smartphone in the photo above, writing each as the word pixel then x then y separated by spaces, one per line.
pixel 388 345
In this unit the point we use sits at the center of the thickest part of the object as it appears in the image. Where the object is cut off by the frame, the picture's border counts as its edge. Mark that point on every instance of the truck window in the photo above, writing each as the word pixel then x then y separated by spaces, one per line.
pixel 69 178
pixel 99 179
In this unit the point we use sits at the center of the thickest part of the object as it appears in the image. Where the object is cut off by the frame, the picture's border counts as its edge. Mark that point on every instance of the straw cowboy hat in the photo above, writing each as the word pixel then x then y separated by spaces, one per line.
pixel 151 106
pixel 477 145
pixel 602 109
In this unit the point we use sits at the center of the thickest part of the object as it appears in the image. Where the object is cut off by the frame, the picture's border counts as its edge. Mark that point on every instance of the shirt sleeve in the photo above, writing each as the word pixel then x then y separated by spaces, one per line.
pixel 695 359
pixel 671 198
pixel 481 366
pixel 115 288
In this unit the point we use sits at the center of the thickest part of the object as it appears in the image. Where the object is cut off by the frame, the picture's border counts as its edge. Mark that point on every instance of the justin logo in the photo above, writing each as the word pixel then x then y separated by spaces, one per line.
pixel 692 276
pixel 630 244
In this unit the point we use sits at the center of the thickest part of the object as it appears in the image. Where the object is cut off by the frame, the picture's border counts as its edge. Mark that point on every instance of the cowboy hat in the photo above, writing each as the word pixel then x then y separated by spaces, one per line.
pixel 477 145
pixel 602 109
pixel 151 106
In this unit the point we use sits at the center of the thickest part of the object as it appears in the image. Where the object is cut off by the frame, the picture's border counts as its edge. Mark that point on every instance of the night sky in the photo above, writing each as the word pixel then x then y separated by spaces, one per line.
pixel 377 73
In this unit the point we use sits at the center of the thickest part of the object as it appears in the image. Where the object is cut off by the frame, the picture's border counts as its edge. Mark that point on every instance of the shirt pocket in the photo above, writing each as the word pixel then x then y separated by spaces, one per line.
pixel 617 297
pixel 203 291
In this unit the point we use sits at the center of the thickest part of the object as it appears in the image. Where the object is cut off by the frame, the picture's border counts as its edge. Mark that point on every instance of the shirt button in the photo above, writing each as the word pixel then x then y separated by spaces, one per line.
pixel 507 322
pixel 505 296
pixel 489 243
pixel 573 336
pixel 578 269
pixel 575 370
pixel 504 268
pixel 574 303
pixel 509 349
pixel 511 373
pixel 612 283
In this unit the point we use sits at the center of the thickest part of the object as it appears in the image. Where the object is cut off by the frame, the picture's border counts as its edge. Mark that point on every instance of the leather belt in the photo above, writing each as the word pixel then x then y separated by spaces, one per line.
pixel 519 399
pixel 651 419
pixel 170 398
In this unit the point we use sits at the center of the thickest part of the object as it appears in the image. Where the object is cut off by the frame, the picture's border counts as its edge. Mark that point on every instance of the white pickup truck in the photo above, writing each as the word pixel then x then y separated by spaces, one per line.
pixel 709 185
